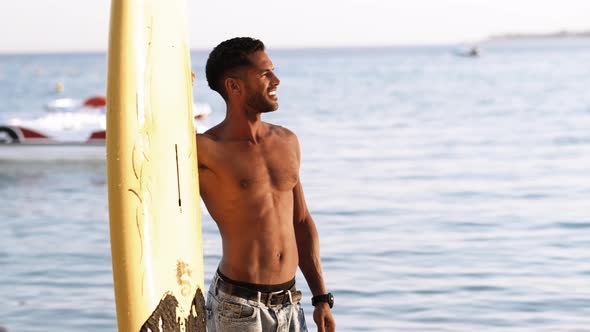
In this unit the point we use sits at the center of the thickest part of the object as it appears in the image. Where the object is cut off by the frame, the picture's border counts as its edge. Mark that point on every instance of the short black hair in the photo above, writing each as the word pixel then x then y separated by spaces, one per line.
pixel 230 54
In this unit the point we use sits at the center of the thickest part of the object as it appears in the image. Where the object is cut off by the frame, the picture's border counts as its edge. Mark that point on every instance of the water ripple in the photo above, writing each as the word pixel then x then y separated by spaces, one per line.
pixel 449 194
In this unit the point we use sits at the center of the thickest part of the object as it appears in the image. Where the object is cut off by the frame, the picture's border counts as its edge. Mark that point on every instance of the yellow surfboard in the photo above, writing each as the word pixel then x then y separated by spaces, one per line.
pixel 154 204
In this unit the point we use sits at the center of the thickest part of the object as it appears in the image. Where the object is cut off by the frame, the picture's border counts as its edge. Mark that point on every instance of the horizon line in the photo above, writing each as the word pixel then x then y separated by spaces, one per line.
pixel 203 49
pixel 491 38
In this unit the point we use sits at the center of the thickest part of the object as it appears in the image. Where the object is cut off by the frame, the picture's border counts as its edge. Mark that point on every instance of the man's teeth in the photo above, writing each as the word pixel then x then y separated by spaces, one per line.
pixel 272 93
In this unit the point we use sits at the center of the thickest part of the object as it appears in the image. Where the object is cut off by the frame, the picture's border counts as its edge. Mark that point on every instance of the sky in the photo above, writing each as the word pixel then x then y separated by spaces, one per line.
pixel 30 26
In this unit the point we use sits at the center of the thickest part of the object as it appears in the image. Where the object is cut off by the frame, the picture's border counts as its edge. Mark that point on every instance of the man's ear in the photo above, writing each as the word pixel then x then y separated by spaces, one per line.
pixel 232 86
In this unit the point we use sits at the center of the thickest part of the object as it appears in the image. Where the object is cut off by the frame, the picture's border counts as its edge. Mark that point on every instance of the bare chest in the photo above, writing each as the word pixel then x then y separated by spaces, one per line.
pixel 261 168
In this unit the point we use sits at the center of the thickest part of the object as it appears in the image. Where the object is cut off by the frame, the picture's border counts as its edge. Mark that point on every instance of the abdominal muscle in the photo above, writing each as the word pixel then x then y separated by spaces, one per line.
pixel 259 243
pixel 259 261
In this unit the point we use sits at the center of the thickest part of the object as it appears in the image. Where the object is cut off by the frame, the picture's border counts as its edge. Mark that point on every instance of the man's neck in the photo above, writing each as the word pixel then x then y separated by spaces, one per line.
pixel 244 125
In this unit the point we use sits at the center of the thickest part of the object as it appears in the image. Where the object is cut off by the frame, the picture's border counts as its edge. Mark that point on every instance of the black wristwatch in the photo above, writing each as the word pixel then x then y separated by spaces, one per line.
pixel 327 298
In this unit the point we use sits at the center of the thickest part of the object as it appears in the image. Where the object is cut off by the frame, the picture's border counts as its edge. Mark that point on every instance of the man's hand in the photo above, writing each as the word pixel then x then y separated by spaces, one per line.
pixel 322 315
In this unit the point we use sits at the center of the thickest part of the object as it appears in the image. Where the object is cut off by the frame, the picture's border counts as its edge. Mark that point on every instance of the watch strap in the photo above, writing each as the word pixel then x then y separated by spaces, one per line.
pixel 327 298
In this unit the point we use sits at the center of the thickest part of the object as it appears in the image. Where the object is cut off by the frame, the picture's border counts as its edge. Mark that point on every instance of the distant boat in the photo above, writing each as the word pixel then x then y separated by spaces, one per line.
pixel 472 52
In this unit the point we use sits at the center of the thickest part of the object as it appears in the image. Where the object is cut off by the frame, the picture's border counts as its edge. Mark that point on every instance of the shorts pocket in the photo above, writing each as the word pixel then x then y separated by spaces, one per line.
pixel 237 311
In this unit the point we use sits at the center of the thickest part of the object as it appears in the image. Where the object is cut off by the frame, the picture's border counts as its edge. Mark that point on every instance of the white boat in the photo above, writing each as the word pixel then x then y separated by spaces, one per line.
pixel 67 130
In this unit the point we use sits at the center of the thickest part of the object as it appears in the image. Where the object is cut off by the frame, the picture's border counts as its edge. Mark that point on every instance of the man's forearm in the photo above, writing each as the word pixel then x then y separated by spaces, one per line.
pixel 308 247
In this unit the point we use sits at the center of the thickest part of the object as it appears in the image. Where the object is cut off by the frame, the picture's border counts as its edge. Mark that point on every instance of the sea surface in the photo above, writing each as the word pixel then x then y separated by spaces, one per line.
pixel 450 193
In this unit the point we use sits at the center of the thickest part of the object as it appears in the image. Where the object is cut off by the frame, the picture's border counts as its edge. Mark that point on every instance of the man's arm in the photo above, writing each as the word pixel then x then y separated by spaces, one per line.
pixel 308 245
pixel 308 248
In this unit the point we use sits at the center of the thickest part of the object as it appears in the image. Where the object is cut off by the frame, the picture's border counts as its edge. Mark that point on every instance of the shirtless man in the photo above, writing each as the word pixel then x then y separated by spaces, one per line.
pixel 249 181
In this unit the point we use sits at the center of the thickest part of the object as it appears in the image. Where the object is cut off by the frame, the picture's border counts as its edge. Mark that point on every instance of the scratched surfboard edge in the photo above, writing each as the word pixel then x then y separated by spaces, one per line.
pixel 153 193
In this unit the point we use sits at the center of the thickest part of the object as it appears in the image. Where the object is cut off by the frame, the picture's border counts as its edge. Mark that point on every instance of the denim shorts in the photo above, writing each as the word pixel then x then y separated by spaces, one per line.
pixel 228 313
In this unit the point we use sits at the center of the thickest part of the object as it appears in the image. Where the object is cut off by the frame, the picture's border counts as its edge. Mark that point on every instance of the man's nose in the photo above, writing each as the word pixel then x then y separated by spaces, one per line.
pixel 275 79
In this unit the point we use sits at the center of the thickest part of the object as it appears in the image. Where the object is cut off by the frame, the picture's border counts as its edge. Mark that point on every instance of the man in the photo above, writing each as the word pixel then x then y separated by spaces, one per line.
pixel 249 181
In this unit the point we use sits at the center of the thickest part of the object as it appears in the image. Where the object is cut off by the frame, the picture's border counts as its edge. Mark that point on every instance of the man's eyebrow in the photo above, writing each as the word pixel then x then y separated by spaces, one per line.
pixel 265 70
pixel 266 66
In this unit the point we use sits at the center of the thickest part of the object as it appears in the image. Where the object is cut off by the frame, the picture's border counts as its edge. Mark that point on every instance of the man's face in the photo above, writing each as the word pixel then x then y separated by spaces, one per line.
pixel 261 84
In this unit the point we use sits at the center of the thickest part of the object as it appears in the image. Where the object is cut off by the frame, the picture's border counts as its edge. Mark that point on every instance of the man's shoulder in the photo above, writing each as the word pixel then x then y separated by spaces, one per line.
pixel 207 144
pixel 206 137
pixel 211 135
pixel 281 131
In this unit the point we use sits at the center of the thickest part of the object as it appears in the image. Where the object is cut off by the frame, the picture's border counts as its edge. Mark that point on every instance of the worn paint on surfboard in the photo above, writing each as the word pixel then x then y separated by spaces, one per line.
pixel 154 204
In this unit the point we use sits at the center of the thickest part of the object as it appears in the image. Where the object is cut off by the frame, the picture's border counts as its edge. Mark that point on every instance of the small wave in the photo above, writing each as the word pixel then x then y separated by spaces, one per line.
pixel 352 213
pixel 574 225
pixel 482 288
pixel 534 196
pixel 473 194
pixel 571 140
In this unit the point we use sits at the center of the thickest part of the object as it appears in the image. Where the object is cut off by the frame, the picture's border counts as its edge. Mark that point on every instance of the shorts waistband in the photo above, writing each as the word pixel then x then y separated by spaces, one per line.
pixel 280 297
pixel 258 287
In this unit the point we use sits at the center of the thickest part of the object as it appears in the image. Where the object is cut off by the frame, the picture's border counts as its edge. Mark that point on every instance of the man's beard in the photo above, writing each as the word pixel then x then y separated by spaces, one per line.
pixel 260 104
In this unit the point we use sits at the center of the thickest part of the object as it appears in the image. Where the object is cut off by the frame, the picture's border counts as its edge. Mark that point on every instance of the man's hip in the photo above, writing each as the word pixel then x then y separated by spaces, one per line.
pixel 236 307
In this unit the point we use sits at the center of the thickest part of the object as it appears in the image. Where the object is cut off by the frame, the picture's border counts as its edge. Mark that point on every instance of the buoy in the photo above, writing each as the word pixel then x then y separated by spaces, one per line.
pixel 59 88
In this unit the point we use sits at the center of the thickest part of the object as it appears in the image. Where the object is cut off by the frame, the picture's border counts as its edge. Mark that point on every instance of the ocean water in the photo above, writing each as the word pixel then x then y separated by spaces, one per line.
pixel 450 193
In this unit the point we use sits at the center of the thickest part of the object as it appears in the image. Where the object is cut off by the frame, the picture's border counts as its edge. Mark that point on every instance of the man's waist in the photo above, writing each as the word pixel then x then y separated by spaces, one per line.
pixel 268 294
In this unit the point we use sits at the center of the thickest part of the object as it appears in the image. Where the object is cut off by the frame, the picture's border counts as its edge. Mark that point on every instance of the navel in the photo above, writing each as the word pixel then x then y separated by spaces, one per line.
pixel 244 184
